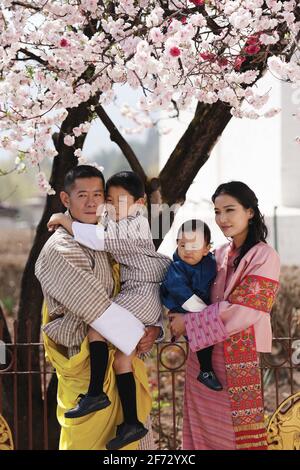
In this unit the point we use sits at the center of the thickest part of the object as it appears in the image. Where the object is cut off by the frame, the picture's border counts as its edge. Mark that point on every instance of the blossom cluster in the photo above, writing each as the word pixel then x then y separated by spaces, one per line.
pixel 56 55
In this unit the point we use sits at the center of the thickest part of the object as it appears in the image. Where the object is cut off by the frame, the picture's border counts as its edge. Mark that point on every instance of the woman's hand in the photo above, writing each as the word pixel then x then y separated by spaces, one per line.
pixel 177 324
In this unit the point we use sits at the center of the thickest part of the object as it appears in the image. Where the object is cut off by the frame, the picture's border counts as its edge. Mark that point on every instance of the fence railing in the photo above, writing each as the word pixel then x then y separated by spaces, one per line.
pixel 25 378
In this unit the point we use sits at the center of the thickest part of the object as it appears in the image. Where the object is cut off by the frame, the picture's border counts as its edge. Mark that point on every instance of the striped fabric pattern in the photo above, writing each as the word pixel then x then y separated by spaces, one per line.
pixel 142 269
pixel 147 443
pixel 233 418
pixel 207 420
pixel 130 242
pixel 251 439
pixel 76 285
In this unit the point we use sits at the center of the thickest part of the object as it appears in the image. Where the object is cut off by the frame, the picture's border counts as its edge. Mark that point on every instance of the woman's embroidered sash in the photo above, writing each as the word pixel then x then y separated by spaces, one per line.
pixel 242 365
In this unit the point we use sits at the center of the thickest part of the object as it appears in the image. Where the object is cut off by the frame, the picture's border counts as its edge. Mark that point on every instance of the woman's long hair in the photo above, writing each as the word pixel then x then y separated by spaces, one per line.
pixel 257 230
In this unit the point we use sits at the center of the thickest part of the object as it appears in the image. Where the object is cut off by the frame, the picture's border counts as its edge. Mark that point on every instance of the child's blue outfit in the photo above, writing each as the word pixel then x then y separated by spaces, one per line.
pixel 183 281
pixel 183 288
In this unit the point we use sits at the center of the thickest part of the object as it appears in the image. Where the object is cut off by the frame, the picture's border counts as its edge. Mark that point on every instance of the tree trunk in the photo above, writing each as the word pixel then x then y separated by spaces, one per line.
pixel 6 380
pixel 193 150
pixel 31 295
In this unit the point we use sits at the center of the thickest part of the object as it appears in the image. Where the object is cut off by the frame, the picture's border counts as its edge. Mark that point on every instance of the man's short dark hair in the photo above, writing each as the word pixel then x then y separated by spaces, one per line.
pixel 195 224
pixel 128 180
pixel 81 171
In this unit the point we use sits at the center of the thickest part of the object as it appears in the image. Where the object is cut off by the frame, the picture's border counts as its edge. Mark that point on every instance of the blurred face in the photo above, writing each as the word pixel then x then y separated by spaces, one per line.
pixel 232 218
pixel 120 203
pixel 192 247
pixel 84 198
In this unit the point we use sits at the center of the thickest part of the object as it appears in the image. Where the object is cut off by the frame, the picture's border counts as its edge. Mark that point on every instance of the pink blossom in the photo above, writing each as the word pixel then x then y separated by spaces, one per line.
pixel 175 51
pixel 278 67
pixel 69 140
pixel 77 131
pixel 90 5
pixel 44 184
pixel 272 112
pixel 252 40
pixel 82 160
pixel 222 61
pixel 78 153
pixel 198 20
pixel 239 62
pixel 208 56
pixel 268 39
pixel 252 50
pixel 85 127
pixel 137 50
pixel 64 42
pixel 198 3
pixel 156 35
pixel 240 18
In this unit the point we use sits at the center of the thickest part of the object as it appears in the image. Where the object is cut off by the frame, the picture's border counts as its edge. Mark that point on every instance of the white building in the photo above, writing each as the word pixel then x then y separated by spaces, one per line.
pixel 263 154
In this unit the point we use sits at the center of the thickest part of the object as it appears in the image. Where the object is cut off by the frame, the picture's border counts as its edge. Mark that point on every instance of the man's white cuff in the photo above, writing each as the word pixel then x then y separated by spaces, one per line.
pixel 194 304
pixel 120 328
pixel 89 235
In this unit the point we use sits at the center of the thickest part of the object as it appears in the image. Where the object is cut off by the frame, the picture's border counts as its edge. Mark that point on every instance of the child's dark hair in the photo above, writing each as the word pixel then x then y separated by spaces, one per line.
pixel 130 181
pixel 195 224
pixel 257 230
pixel 81 171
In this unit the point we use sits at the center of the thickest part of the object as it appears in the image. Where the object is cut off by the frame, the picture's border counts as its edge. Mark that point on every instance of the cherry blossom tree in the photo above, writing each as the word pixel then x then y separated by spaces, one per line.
pixel 62 59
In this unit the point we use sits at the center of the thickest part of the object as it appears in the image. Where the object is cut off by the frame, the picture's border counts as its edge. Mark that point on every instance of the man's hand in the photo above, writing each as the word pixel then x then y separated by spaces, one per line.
pixel 147 341
pixel 177 324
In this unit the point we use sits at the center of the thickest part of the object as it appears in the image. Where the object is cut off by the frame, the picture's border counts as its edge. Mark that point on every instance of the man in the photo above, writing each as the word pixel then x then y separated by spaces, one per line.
pixel 77 282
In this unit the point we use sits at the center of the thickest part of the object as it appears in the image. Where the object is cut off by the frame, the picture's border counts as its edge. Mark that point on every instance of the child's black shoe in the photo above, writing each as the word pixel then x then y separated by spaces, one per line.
pixel 210 380
pixel 88 404
pixel 127 433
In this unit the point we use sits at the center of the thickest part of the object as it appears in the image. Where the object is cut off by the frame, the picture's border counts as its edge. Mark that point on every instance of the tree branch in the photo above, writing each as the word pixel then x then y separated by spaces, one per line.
pixel 33 56
pixel 117 137
pixel 5 335
pixel 193 150
pixel 196 144
pixel 26 5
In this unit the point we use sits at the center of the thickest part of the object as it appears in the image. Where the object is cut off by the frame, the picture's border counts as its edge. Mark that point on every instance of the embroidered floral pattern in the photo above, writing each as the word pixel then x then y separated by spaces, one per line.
pixel 244 390
pixel 255 292
pixel 239 348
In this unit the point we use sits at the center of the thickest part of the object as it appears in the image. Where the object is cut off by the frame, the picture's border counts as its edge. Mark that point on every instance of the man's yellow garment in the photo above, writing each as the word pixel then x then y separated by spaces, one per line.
pixel 93 431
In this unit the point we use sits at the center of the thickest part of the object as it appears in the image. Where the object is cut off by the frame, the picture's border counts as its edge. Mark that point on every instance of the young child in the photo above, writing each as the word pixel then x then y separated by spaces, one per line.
pixel 125 233
pixel 187 284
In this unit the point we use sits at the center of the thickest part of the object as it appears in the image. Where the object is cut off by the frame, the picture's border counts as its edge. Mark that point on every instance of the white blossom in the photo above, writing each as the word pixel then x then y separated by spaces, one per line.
pixel 170 56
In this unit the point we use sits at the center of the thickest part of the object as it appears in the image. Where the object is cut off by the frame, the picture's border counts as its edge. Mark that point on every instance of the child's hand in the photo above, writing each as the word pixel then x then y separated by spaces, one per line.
pixel 55 221
pixel 177 324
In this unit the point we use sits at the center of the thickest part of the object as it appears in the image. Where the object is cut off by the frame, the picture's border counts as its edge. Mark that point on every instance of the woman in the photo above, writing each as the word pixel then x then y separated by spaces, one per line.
pixel 238 323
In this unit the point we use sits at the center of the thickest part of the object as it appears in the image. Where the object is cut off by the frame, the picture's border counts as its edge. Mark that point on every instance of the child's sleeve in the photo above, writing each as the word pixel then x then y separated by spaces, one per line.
pixel 89 235
pixel 176 291
pixel 125 236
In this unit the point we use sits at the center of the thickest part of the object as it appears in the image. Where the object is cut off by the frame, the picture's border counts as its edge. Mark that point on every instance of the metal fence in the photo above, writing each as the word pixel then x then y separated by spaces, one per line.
pixel 24 391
